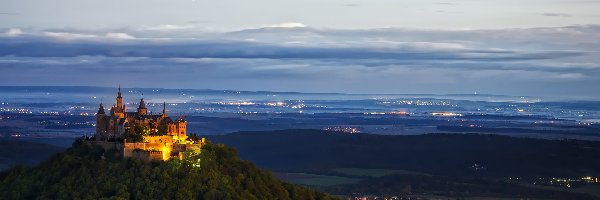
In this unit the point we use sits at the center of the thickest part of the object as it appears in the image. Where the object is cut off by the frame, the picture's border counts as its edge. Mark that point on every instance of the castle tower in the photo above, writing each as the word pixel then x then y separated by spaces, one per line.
pixel 100 110
pixel 101 123
pixel 142 110
pixel 118 110
pixel 119 99
pixel 181 127
pixel 171 128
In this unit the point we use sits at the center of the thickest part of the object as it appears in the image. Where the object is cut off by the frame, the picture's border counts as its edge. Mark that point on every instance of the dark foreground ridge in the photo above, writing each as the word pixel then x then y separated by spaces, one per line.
pixel 84 172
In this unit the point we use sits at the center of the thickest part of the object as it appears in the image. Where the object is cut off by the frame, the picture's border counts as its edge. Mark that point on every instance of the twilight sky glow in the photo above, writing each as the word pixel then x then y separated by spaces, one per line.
pixel 513 47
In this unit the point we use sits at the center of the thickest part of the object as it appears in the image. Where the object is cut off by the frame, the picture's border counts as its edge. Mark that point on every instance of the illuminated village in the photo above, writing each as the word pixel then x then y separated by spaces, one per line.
pixel 142 135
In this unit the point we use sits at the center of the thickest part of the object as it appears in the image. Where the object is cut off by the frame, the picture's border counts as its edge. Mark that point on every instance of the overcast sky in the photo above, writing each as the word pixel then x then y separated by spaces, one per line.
pixel 514 47
pixel 237 14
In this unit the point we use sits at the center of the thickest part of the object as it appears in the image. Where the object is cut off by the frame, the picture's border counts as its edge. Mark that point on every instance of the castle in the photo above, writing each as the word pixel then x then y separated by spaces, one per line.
pixel 143 135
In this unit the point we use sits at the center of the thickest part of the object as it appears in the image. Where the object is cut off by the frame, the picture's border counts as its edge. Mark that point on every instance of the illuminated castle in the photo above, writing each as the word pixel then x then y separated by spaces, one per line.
pixel 139 134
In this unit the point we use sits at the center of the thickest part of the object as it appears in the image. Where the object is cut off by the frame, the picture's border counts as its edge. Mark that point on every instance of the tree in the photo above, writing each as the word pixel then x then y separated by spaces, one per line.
pixel 194 137
pixel 81 173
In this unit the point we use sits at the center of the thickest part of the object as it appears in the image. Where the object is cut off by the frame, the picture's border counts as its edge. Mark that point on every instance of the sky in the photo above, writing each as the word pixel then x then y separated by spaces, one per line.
pixel 511 47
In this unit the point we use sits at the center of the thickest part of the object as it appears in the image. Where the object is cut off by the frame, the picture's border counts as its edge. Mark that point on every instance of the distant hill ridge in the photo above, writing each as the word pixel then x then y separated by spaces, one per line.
pixel 444 154
pixel 15 153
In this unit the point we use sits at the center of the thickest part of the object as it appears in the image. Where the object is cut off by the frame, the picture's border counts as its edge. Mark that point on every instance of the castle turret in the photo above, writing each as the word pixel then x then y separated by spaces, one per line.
pixel 119 99
pixel 101 122
pixel 101 110
pixel 181 127
pixel 118 111
pixel 142 110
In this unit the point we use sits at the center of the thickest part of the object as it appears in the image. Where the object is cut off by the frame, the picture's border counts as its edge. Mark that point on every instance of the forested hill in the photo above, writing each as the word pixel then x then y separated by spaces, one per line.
pixel 84 173
pixel 15 153
pixel 443 154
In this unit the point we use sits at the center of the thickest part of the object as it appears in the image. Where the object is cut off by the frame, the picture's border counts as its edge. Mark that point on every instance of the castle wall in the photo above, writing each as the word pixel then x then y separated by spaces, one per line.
pixel 147 155
pixel 105 145
pixel 128 148
pixel 149 151
pixel 159 139
pixel 165 139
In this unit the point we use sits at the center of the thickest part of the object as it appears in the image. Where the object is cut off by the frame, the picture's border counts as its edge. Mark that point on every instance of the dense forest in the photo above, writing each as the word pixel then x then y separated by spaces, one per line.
pixel 14 153
pixel 464 155
pixel 90 173
pixel 443 165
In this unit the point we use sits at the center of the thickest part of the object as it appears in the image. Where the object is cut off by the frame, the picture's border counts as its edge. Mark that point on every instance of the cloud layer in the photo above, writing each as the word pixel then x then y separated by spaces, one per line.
pixel 561 61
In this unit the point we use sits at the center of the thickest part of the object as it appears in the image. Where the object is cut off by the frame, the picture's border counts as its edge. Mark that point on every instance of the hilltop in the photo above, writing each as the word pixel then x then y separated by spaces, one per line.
pixel 83 172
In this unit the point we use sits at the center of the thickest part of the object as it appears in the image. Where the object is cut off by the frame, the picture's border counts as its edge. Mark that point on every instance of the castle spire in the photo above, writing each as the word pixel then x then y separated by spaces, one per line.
pixel 101 109
pixel 142 103
pixel 120 100
pixel 142 110
pixel 164 114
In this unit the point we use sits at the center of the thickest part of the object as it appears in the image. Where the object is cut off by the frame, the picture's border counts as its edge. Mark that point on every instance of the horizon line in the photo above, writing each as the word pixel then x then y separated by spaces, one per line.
pixel 267 91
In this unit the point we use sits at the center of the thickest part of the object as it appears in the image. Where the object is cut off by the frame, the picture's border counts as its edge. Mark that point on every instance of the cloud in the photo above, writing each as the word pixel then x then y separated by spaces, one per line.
pixel 169 27
pixel 447 3
pixel 535 60
pixel 119 36
pixel 288 25
pixel 540 49
pixel 351 5
pixel 82 37
pixel 307 42
pixel 290 75
pixel 556 15
pixel 68 36
pixel 12 32
pixel 92 45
